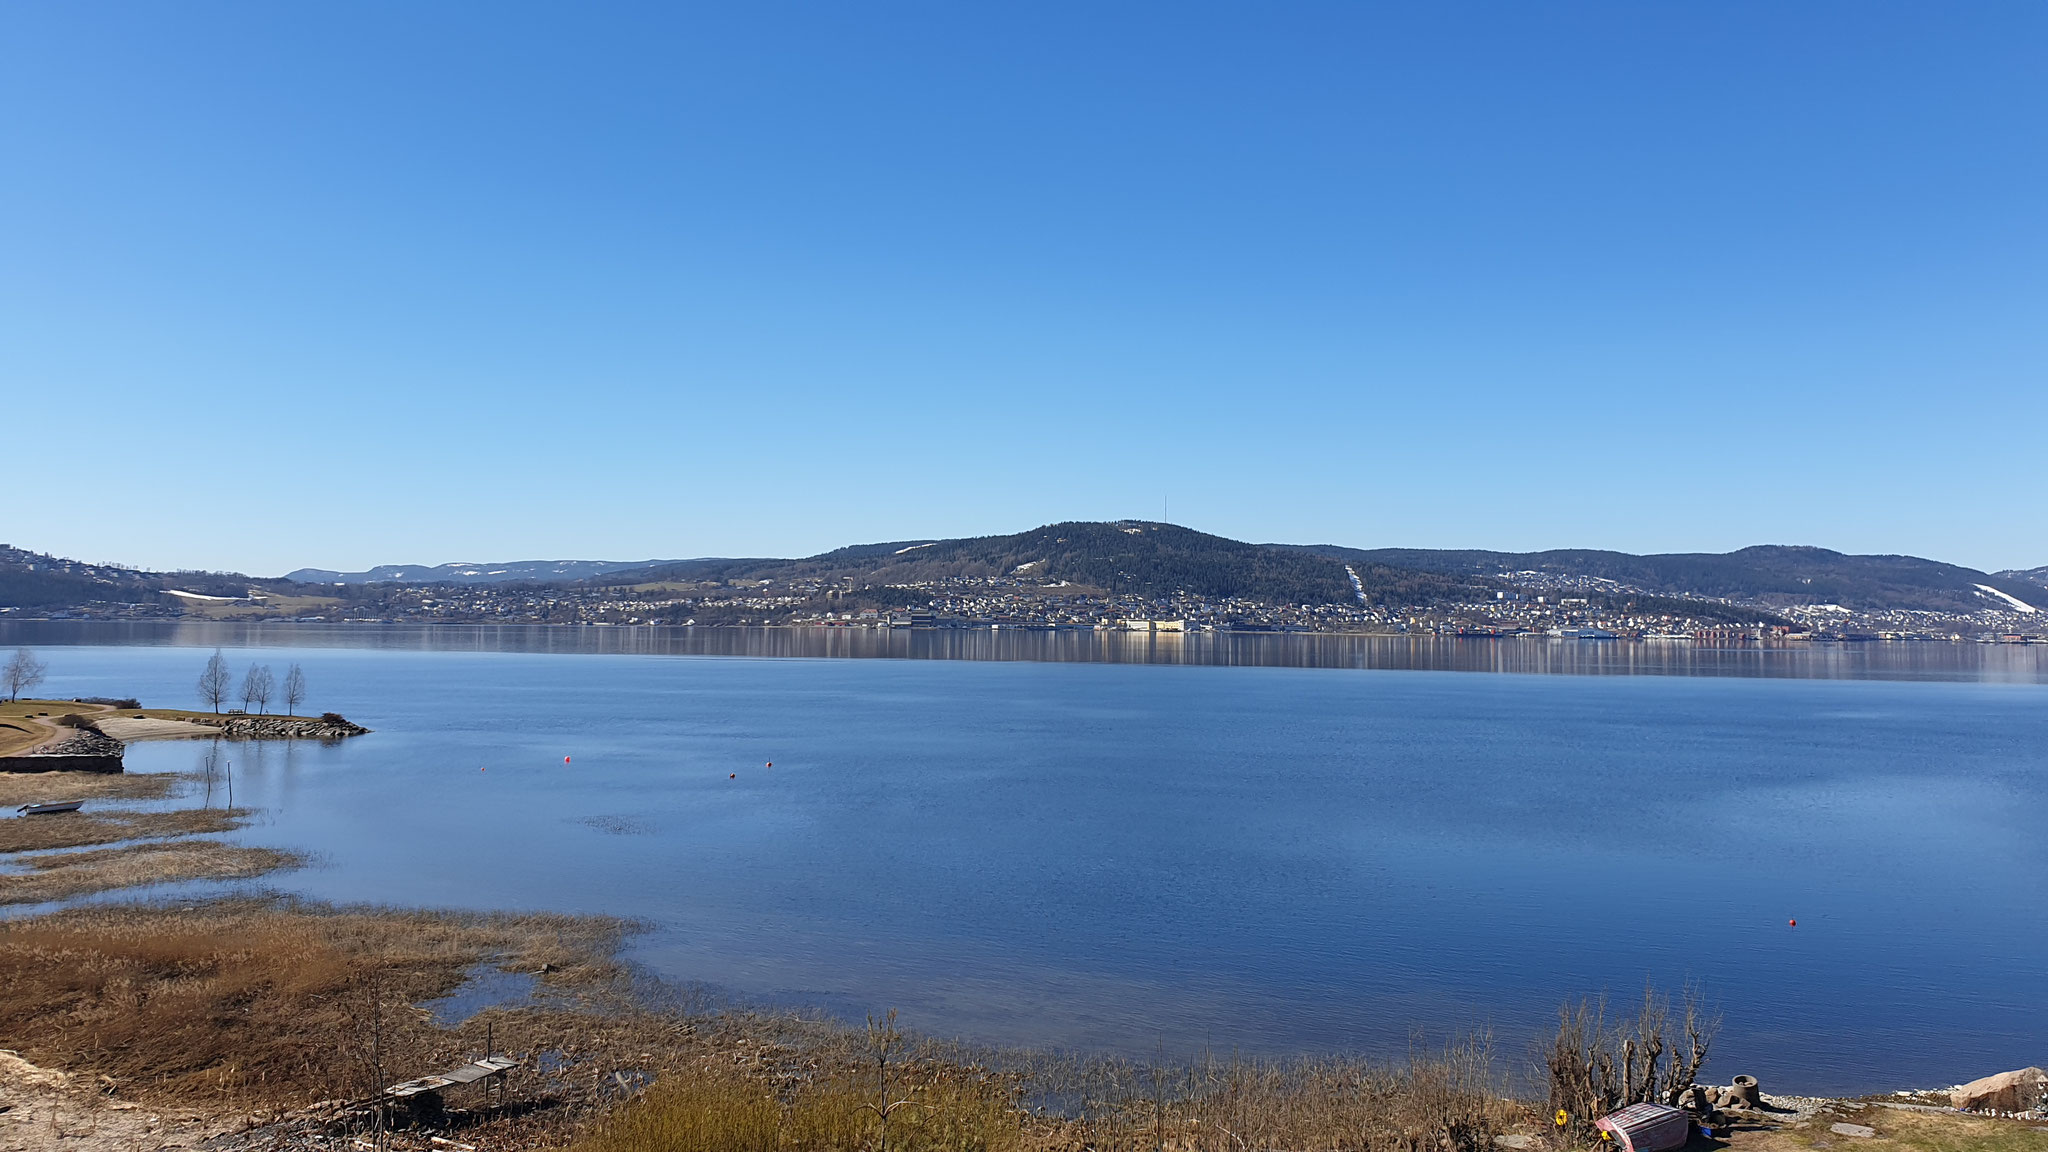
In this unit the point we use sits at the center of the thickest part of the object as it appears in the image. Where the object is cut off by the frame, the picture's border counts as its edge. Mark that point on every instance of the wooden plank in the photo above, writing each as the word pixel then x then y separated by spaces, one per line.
pixel 485 1069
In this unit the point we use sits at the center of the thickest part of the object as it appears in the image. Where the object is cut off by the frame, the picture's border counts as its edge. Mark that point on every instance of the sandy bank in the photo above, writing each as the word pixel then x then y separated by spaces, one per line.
pixel 129 729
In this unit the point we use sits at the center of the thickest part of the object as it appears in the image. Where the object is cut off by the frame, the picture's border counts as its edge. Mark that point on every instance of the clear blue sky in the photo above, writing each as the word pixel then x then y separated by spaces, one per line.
pixel 344 284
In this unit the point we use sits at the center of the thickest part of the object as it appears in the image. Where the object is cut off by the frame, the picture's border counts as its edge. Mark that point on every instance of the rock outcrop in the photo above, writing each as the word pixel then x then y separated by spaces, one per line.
pixel 286 728
pixel 2014 1091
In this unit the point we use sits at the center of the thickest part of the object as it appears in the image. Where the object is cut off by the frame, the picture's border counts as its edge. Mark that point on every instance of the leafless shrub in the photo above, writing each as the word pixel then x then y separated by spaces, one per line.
pixel 1595 1067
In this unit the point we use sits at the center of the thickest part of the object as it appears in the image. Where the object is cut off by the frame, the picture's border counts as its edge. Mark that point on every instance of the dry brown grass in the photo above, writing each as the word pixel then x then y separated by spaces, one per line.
pixel 258 1002
pixel 18 788
pixel 723 1111
pixel 81 829
pixel 268 1004
pixel 65 875
pixel 1898 1130
pixel 827 1093
pixel 27 723
pixel 1451 1100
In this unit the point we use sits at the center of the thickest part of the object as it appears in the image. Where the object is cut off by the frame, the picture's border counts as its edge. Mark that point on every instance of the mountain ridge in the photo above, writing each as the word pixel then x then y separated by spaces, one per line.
pixel 1134 557
pixel 458 572
pixel 1779 575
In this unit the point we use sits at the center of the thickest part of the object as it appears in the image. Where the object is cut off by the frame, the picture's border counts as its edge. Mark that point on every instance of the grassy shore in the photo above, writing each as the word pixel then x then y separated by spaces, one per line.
pixel 120 848
pixel 24 724
pixel 85 829
pixel 260 1007
pixel 68 875
pixel 27 723
pixel 256 1019
pixel 18 788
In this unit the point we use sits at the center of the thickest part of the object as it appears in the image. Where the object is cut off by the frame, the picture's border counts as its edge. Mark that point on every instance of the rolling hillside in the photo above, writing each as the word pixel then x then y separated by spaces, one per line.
pixel 1126 556
pixel 458 573
pixel 2026 575
pixel 1147 558
pixel 35 580
pixel 1768 574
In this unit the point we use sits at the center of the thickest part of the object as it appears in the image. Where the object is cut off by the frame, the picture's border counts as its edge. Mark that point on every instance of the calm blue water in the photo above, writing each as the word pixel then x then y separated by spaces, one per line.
pixel 1271 859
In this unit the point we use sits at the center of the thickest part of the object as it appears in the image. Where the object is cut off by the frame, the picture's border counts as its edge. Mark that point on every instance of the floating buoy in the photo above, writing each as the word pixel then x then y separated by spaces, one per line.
pixel 732 776
pixel 1792 923
pixel 771 763
pixel 565 759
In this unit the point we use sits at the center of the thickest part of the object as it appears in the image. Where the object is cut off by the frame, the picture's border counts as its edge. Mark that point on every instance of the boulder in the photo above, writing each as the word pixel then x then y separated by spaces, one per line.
pixel 1698 1099
pixel 2014 1091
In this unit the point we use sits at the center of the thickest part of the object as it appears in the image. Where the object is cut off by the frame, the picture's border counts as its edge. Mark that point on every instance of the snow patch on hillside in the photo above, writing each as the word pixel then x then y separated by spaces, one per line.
pixel 2018 605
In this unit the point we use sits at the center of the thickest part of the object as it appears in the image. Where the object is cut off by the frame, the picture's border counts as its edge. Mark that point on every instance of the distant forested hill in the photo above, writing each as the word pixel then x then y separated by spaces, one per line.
pixel 510 571
pixel 2027 575
pixel 1128 556
pixel 1145 558
pixel 1770 574
pixel 34 580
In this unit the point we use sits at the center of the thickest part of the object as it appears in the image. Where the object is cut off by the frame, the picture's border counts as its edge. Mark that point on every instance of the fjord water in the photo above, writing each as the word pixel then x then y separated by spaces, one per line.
pixel 1106 854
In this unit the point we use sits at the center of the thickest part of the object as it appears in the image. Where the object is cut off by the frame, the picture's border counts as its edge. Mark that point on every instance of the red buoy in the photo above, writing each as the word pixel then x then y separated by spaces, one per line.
pixel 732 776
pixel 771 763
pixel 565 759
pixel 1793 923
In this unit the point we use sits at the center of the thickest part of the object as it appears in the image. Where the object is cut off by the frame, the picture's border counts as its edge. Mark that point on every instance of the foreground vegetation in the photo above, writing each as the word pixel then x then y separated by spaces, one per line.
pixel 41 858
pixel 257 1003
pixel 275 1023
pixel 1443 1102
pixel 267 1006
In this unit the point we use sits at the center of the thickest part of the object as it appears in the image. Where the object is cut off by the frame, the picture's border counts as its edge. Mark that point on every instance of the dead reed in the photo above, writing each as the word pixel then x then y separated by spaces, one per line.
pixel 82 829
pixel 724 1112
pixel 1445 1101
pixel 18 788
pixel 269 1004
pixel 63 875
pixel 259 1002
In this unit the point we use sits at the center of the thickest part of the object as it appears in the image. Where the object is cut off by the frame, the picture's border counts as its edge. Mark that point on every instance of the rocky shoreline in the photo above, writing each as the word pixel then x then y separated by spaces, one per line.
pixel 87 748
pixel 329 728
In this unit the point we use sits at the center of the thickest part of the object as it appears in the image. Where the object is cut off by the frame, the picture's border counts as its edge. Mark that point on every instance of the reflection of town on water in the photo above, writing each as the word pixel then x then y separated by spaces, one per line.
pixel 1882 660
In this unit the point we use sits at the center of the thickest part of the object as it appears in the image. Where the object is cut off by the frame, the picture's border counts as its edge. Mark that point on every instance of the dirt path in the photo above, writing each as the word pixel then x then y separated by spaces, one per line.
pixel 21 733
pixel 47 1111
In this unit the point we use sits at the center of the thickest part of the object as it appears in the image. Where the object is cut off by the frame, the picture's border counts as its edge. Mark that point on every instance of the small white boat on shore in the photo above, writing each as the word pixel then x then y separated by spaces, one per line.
pixel 49 806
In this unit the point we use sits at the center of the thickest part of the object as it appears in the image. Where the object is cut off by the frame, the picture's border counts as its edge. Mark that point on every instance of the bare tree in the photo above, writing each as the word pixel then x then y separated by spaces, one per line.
pixel 884 1041
pixel 215 681
pixel 294 690
pixel 257 685
pixel 1597 1066
pixel 23 673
